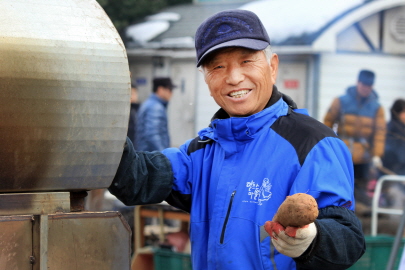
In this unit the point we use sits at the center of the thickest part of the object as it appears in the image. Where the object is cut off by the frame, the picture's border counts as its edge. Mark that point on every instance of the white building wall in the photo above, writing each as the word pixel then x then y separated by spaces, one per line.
pixel 206 105
pixel 182 107
pixel 292 81
pixel 141 74
pixel 338 71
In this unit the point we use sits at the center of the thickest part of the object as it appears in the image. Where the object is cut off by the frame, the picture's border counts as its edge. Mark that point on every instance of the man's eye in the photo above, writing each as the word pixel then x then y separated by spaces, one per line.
pixel 218 67
pixel 246 61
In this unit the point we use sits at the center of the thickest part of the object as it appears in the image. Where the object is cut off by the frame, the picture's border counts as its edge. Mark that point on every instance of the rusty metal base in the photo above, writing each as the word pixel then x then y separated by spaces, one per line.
pixel 65 241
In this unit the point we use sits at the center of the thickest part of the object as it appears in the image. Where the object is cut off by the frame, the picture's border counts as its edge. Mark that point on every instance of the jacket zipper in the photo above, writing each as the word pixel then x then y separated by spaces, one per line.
pixel 221 241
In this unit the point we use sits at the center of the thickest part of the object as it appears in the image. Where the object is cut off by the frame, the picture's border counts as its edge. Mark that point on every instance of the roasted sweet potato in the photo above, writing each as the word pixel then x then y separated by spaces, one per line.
pixel 297 210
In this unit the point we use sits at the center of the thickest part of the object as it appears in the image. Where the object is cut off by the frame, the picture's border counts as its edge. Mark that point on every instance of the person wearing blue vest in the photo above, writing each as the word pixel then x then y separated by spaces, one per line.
pixel 361 125
pixel 258 149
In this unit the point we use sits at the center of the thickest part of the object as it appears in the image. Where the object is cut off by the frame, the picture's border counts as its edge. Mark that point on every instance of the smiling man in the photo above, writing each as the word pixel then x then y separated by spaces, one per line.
pixel 258 149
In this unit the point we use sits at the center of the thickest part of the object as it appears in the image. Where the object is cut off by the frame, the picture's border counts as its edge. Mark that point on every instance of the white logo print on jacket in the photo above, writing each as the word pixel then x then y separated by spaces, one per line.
pixel 258 193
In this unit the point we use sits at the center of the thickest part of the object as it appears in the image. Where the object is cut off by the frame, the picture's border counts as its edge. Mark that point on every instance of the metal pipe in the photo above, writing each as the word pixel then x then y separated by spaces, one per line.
pixel 43 244
pixel 397 241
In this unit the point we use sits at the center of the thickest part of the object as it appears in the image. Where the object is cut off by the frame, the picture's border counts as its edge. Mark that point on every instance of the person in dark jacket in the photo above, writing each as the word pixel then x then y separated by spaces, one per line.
pixel 152 131
pixel 258 149
pixel 394 154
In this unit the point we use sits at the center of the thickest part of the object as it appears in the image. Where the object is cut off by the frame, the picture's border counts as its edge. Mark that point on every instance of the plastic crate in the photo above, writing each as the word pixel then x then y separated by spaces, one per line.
pixel 164 259
pixel 378 253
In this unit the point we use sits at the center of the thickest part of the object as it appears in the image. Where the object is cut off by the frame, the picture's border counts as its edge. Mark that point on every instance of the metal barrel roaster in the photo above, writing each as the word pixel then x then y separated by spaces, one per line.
pixel 64 109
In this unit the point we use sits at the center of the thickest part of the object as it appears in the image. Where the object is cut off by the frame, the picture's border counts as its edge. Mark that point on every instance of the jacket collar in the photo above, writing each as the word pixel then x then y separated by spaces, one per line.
pixel 224 128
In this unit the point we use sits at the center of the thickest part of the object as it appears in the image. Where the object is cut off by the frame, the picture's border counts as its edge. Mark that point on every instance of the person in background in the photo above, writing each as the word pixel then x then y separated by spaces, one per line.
pixel 394 156
pixel 258 149
pixel 361 125
pixel 133 113
pixel 152 131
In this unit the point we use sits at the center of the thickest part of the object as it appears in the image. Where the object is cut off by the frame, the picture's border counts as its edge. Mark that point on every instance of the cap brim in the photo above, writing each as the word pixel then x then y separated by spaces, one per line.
pixel 253 44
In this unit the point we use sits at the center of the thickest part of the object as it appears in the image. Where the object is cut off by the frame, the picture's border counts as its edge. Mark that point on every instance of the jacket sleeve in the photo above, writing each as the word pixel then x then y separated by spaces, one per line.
pixel 339 243
pixel 142 177
pixel 379 133
pixel 327 174
pixel 332 116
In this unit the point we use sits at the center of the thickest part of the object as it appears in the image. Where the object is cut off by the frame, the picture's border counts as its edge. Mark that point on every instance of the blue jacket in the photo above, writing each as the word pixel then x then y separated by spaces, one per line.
pixel 233 177
pixel 152 132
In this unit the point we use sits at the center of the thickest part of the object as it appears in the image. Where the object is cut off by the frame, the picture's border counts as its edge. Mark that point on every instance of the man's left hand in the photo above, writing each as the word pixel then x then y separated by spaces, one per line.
pixel 291 241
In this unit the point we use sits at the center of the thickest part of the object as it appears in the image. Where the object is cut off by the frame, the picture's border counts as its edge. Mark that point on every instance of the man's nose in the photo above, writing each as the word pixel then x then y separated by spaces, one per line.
pixel 234 76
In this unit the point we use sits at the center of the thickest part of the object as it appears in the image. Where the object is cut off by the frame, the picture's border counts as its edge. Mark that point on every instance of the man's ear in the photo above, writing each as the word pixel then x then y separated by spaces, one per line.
pixel 274 68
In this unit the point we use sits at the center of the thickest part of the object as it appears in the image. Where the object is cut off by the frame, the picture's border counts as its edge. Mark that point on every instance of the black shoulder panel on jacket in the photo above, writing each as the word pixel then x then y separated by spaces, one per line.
pixel 197 144
pixel 302 131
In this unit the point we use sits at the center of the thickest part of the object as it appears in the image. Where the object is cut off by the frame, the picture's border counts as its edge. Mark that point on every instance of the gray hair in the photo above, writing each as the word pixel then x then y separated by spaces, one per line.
pixel 268 53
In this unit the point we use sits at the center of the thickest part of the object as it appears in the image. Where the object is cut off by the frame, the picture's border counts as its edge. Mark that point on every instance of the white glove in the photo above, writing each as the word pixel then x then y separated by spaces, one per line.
pixel 291 241
pixel 377 163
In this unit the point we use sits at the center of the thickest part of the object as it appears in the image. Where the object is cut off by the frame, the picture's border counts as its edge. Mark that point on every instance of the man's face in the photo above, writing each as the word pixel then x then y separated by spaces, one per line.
pixel 164 93
pixel 240 80
pixel 364 90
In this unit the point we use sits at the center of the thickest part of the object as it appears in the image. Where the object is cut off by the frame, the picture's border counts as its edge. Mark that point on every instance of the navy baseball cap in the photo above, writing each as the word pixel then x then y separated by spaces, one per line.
pixel 230 28
pixel 366 77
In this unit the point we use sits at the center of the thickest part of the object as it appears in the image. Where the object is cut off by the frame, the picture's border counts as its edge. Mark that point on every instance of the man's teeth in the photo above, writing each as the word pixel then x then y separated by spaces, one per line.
pixel 239 94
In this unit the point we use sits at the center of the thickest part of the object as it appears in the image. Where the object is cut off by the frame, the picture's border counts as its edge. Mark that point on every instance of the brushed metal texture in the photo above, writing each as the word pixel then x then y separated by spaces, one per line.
pixel 64 96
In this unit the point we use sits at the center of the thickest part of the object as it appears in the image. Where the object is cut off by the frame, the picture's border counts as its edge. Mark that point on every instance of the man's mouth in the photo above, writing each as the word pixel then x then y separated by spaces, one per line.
pixel 239 94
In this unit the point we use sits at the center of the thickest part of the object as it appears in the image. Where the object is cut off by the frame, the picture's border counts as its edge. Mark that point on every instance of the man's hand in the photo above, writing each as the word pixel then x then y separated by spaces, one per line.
pixel 291 241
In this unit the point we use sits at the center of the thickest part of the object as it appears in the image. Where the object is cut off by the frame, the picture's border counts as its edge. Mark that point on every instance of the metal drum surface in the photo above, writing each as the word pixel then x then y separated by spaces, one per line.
pixel 64 96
